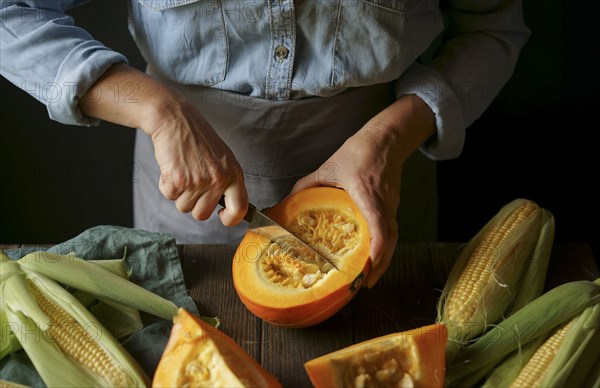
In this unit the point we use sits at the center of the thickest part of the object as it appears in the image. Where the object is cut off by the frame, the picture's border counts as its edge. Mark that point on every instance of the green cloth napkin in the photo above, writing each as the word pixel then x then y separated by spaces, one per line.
pixel 154 263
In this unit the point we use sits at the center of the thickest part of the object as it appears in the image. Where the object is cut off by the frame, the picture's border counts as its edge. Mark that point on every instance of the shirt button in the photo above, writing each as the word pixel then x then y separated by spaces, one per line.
pixel 282 53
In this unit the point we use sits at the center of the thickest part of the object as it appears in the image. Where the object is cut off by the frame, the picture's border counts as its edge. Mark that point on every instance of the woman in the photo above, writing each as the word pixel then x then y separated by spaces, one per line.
pixel 257 99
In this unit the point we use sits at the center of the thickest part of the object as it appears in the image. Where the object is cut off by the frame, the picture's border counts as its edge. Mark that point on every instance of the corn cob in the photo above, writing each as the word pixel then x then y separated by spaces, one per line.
pixel 534 321
pixel 65 343
pixel 577 352
pixel 507 371
pixel 102 286
pixel 120 320
pixel 487 274
pixel 566 357
pixel 97 280
pixel 85 276
pixel 537 366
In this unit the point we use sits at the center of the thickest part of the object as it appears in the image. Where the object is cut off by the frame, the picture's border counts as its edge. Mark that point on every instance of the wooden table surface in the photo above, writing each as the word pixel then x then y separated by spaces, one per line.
pixel 404 298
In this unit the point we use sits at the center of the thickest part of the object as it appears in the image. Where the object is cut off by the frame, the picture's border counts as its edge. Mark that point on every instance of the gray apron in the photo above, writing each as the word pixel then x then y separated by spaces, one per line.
pixel 277 143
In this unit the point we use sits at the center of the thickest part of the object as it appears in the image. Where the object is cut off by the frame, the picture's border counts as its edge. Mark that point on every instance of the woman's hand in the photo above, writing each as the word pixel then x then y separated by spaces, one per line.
pixel 196 166
pixel 369 167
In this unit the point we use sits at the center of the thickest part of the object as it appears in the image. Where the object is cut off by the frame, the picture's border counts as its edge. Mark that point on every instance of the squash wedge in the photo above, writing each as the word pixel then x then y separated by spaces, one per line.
pixel 414 358
pixel 199 355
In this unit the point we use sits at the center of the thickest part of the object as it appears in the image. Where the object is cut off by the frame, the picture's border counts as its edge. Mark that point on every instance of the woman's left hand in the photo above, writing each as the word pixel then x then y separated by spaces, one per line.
pixel 368 166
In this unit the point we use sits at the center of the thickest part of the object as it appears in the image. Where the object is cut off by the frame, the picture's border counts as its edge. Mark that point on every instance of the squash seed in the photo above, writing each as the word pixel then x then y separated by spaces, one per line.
pixel 327 231
pixel 382 367
pixel 361 381
pixel 384 374
pixel 406 381
pixel 197 371
pixel 289 265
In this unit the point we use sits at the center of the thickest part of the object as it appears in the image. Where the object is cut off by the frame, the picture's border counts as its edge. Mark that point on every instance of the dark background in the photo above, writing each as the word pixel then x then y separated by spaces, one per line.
pixel 59 180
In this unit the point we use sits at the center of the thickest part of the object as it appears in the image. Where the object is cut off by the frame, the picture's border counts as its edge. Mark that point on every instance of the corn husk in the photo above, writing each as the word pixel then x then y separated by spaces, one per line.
pixel 534 279
pixel 85 276
pixel 31 327
pixel 578 352
pixel 102 283
pixel 10 384
pixel 535 320
pixel 8 341
pixel 120 319
pixel 511 253
pixel 574 359
pixel 508 370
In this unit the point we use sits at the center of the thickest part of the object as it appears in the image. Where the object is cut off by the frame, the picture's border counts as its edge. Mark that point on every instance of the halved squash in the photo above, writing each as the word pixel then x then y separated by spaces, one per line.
pixel 414 358
pixel 199 355
pixel 288 285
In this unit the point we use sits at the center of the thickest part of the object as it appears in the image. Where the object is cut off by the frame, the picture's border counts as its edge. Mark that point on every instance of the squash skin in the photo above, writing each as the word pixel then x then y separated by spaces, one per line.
pixel 429 354
pixel 188 336
pixel 302 309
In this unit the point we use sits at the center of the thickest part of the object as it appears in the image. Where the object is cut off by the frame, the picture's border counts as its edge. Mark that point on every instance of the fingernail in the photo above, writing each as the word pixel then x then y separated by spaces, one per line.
pixel 375 261
pixel 371 283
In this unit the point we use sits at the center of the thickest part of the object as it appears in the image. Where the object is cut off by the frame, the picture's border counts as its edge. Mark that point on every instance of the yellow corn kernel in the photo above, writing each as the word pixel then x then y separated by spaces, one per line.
pixel 76 342
pixel 536 368
pixel 482 264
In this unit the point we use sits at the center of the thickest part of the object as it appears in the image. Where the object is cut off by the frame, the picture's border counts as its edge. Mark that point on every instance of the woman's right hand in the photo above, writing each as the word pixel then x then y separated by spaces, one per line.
pixel 196 166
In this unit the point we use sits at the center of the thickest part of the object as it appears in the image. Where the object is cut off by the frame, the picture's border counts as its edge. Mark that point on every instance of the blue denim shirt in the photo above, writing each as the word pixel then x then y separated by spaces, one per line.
pixel 455 58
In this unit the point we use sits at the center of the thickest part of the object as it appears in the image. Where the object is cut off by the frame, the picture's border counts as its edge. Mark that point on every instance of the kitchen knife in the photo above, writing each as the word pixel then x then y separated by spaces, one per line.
pixel 260 223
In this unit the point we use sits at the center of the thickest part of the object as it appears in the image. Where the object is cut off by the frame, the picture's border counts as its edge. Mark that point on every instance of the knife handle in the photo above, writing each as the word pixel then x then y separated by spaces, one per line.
pixel 249 214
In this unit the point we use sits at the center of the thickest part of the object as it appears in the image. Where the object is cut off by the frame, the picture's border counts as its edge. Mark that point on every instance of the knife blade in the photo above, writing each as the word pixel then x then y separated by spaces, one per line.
pixel 261 224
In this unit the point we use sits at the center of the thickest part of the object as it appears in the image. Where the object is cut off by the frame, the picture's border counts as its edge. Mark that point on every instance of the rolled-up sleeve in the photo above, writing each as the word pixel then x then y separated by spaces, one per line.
pixel 477 55
pixel 46 55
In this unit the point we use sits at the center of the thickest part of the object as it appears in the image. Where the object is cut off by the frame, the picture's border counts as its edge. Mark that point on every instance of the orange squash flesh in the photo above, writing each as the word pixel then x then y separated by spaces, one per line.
pixel 414 358
pixel 199 355
pixel 286 285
